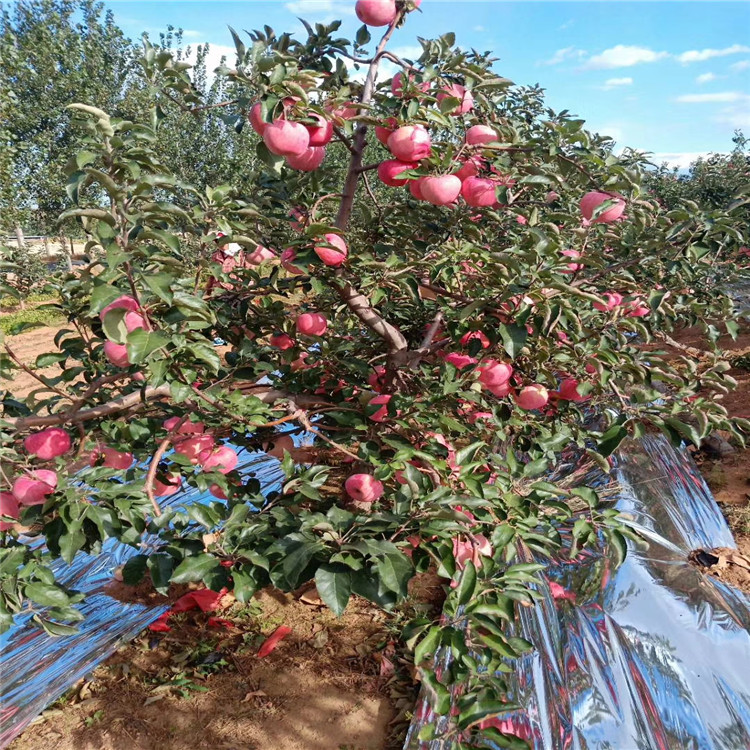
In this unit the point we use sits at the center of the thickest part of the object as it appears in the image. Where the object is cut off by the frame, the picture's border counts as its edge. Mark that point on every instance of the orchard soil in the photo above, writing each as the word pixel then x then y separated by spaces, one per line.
pixel 332 684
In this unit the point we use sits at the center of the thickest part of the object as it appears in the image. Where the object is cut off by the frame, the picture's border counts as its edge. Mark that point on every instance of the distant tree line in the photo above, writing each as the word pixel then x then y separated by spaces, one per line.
pixel 55 52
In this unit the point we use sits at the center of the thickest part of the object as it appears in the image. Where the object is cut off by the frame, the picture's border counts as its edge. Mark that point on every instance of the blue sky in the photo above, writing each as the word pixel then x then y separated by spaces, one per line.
pixel 668 77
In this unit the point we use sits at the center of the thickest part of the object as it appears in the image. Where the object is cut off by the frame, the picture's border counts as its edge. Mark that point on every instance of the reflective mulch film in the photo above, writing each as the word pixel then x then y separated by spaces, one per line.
pixel 35 668
pixel 654 655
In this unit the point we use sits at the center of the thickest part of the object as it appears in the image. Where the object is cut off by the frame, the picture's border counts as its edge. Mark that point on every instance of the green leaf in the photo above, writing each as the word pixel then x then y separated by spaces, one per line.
pixel 395 571
pixel 141 343
pixel 194 568
pixel 134 569
pixel 102 295
pixel 467 584
pixel 160 566
pixel 513 337
pixel 70 542
pixel 611 440
pixel 428 645
pixel 686 431
pixel 47 595
pixel 161 285
pixel 334 584
pixel 113 325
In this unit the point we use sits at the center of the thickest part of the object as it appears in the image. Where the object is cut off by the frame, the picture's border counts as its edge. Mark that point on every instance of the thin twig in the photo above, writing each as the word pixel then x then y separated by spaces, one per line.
pixel 154 465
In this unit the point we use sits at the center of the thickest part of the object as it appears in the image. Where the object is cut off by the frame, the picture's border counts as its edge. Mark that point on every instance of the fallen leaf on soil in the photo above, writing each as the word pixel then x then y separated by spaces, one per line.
pixel 203 599
pixel 273 640
pixel 319 639
pixel 160 624
pixel 253 694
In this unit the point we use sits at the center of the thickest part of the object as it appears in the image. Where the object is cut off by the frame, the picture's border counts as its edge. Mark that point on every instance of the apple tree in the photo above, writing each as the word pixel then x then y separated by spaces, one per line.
pixel 449 286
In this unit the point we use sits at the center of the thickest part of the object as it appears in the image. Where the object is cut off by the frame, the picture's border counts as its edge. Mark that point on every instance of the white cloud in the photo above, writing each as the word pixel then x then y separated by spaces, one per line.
pixel 695 55
pixel 681 160
pixel 566 25
pixel 739 66
pixel 564 55
pixel 613 82
pixel 213 58
pixel 323 11
pixel 706 78
pixel 624 56
pixel 721 96
pixel 191 33
pixel 737 116
pixel 479 27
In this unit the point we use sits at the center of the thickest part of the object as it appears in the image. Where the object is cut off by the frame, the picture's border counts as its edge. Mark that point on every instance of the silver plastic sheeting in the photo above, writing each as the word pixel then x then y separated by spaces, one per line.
pixel 653 655
pixel 35 669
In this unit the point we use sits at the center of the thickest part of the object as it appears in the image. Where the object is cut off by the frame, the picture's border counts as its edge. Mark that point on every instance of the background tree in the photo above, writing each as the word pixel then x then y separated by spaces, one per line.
pixel 501 304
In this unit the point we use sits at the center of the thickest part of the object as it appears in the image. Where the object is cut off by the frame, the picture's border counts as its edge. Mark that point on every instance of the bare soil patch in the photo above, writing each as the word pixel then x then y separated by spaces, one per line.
pixel 27 347
pixel 332 683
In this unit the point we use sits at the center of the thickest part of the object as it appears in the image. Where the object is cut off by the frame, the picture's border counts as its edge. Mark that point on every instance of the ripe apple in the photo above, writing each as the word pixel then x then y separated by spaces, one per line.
pixel 410 143
pixel 389 170
pixel 286 138
pixel 48 444
pixel 376 12
pixel 441 190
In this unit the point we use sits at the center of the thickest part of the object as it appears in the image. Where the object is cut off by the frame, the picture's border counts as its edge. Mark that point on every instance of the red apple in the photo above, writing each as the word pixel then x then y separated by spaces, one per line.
pixel 478 135
pixel 103 455
pixel 569 391
pixel 479 191
pixel 532 397
pixel 286 138
pixel 382 413
pixel 415 188
pixel 383 132
pixel 34 487
pixel 222 459
pixel 441 190
pixel 172 485
pixel 471 335
pixel 389 170
pixel 322 132
pixel 287 261
pixel 116 354
pixel 613 300
pixel 257 122
pixel 193 447
pixel 456 91
pixel 259 255
pixel 126 302
pixel 410 143
pixel 47 444
pixel 8 507
pixel 281 341
pixel 309 160
pixel 364 488
pixel 332 256
pixel 312 324
pixel 591 201
pixel 493 373
pixel 376 12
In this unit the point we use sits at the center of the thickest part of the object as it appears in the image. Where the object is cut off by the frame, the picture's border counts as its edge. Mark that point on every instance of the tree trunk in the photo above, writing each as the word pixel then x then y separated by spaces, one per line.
pixel 19 236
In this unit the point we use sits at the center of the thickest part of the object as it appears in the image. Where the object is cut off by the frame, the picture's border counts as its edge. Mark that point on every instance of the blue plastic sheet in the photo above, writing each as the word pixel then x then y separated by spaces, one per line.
pixel 653 655
pixel 35 668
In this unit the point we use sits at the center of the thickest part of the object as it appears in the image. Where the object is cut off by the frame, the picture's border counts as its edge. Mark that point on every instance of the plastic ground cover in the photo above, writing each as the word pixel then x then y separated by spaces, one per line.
pixel 36 669
pixel 653 655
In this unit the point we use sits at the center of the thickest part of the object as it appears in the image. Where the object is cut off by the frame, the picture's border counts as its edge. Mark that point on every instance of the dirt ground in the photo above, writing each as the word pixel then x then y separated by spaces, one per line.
pixel 27 347
pixel 728 476
pixel 332 684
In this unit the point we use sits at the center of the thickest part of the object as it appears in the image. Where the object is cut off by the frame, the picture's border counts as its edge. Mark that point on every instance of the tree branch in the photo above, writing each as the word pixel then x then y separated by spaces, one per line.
pixel 134 400
pixel 355 300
